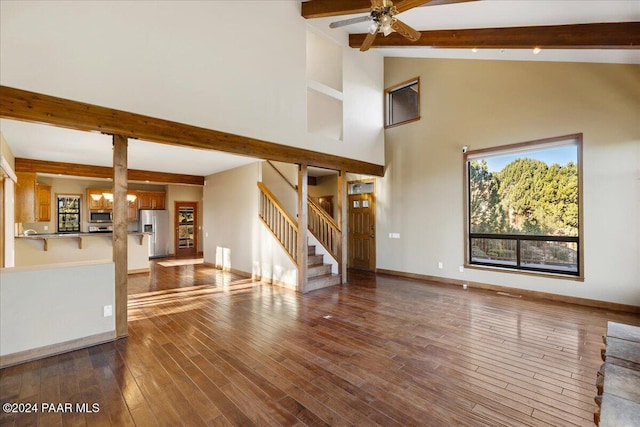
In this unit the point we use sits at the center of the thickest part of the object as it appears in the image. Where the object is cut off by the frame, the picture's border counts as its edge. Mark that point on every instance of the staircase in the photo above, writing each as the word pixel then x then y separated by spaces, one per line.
pixel 284 228
pixel 318 273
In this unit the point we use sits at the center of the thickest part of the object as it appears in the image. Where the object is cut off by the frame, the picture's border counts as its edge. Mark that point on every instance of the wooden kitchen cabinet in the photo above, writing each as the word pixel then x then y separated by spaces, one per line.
pixel 98 203
pixel 151 199
pixel 32 200
pixel 43 202
pixel 25 197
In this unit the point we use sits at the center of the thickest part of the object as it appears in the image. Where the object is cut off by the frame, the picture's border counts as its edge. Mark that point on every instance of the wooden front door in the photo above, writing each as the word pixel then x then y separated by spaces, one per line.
pixel 186 229
pixel 362 231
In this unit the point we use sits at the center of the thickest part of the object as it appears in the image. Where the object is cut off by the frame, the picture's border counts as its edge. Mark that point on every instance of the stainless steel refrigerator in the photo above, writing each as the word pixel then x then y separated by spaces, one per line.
pixel 157 223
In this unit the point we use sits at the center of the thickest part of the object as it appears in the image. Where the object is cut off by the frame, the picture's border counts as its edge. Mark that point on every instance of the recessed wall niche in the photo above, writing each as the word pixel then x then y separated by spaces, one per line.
pixel 324 86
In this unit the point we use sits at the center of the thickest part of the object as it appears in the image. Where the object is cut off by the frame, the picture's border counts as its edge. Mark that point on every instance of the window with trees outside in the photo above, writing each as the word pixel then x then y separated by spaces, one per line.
pixel 523 206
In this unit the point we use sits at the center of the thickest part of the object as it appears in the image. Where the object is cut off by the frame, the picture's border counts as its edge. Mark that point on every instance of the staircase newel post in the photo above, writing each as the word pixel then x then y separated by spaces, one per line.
pixel 303 223
pixel 341 219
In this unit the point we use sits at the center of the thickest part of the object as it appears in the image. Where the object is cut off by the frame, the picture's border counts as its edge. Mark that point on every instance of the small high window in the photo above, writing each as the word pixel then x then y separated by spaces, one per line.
pixel 403 103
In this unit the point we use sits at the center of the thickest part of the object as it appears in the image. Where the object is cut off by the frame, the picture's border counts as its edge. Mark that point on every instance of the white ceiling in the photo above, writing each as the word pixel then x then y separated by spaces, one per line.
pixel 55 144
pixel 42 142
pixel 508 13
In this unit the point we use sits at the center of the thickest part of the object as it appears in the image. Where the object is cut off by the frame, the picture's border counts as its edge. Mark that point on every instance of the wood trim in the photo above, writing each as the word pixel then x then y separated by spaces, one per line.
pixel 325 8
pixel 138 271
pixel 614 306
pixel 104 172
pixel 609 35
pixel 120 235
pixel 17 104
pixel 303 224
pixel 53 349
pixel 393 88
pixel 342 220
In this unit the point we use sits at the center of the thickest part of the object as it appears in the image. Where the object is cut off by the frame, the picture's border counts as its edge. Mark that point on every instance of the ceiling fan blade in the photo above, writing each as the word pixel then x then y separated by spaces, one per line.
pixel 405 5
pixel 368 41
pixel 324 8
pixel 346 22
pixel 405 30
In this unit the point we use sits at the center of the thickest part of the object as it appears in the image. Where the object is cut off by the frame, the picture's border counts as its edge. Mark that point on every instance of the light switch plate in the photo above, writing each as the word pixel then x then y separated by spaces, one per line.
pixel 108 310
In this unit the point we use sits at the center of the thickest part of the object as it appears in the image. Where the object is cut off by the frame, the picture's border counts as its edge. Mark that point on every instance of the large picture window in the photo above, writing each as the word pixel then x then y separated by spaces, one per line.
pixel 523 206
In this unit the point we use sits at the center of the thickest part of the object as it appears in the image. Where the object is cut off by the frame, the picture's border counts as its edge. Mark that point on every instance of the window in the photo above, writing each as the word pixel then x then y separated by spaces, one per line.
pixel 523 206
pixel 403 103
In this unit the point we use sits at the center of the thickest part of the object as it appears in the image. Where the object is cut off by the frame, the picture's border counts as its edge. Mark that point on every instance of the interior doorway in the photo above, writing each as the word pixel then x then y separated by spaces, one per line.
pixel 186 229
pixel 362 224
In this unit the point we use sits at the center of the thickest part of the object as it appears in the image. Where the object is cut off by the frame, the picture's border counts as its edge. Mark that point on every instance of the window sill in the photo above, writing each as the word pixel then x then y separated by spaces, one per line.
pixel 524 272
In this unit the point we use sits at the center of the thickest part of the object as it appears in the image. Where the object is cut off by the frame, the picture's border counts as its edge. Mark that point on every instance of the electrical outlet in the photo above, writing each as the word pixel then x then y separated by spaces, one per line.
pixel 108 310
pixel 461 269
pixel 46 228
pixel 440 265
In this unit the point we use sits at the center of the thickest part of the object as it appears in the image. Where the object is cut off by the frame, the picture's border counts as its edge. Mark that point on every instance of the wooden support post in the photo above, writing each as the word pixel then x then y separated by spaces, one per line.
pixel 120 207
pixel 303 223
pixel 341 219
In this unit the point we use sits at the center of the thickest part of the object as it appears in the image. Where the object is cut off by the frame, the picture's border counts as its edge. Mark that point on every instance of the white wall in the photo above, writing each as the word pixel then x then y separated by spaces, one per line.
pixel 45 306
pixel 235 66
pixel 490 103
pixel 7 203
pixel 235 238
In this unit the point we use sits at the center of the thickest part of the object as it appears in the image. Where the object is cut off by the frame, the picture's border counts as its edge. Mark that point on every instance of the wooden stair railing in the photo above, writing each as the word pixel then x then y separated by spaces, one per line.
pixel 279 222
pixel 325 229
pixel 321 224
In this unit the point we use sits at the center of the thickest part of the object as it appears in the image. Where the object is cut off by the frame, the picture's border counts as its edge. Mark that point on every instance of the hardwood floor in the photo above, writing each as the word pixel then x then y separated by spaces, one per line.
pixel 212 348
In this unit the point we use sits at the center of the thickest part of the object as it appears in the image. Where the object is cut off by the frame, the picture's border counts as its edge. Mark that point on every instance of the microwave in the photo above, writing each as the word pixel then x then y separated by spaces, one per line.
pixel 100 216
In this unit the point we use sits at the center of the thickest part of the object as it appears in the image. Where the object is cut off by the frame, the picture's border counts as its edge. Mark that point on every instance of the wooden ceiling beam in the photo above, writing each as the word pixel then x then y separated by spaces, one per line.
pixel 324 8
pixel 102 172
pixel 17 104
pixel 610 35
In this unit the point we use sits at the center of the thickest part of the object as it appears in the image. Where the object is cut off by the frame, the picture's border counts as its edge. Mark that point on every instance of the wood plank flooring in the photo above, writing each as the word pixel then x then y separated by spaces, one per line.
pixel 212 348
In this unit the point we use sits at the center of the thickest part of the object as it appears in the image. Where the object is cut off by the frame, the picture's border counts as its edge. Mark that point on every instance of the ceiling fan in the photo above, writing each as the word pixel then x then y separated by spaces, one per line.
pixel 383 19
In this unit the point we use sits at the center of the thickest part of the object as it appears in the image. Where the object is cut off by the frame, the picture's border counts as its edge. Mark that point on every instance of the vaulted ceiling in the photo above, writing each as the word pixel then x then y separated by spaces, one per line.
pixel 583 31
pixel 566 30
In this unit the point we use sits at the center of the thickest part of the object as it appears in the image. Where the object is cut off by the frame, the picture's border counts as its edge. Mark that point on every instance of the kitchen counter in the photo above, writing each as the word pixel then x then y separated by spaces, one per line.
pixel 57 248
pixel 46 236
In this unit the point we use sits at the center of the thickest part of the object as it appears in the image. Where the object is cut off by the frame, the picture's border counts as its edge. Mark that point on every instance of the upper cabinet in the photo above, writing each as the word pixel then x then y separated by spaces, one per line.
pixel 43 202
pixel 96 199
pixel 25 197
pixel 32 200
pixel 151 199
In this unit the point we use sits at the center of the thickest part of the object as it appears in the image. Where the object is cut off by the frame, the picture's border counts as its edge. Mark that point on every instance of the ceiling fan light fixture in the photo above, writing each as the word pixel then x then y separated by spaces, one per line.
pixel 386 29
pixel 373 28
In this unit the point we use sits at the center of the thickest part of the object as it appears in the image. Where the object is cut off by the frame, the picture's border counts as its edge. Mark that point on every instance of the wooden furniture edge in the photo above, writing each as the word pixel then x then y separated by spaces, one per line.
pixel 614 306
pixel 53 349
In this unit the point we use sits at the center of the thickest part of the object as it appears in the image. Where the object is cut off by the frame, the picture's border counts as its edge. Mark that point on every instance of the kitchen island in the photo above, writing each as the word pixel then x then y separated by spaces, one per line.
pixel 57 248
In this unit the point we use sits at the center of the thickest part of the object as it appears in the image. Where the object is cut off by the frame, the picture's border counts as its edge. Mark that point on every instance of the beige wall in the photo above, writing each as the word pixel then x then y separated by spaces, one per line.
pixel 491 103
pixel 234 237
pixel 326 186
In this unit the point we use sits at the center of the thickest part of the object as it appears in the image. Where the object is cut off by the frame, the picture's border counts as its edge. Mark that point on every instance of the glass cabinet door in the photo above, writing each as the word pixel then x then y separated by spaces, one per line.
pixel 68 215
pixel 186 238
